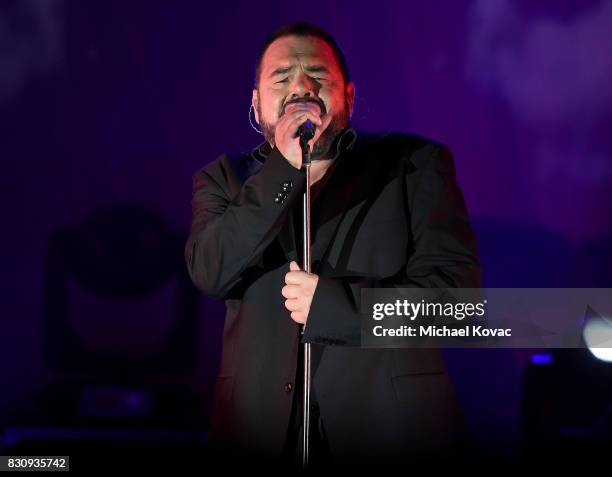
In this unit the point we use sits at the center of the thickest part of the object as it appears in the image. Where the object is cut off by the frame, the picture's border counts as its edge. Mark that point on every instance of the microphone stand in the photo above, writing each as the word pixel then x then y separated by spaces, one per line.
pixel 306 266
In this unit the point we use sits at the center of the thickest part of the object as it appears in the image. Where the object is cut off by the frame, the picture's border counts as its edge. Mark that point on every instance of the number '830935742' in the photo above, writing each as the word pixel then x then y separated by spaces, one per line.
pixel 34 462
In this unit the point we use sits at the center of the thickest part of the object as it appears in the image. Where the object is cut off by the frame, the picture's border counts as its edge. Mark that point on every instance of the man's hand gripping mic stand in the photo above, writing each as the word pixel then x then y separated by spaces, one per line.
pixel 306 133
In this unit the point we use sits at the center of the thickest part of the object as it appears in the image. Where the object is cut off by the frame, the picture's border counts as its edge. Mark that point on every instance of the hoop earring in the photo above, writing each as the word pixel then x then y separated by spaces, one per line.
pixel 251 122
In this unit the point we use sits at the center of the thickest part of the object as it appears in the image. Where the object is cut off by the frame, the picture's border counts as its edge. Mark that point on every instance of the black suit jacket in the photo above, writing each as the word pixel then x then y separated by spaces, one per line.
pixel 390 215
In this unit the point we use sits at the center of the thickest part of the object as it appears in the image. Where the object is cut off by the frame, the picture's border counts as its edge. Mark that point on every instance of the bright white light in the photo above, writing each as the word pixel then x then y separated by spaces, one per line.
pixel 597 335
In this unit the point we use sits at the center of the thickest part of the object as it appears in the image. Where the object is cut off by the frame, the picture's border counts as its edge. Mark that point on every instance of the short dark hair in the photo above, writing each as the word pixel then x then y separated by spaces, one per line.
pixel 304 29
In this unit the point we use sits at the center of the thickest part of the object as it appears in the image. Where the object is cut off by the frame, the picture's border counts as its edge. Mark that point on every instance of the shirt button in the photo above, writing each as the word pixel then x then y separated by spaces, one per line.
pixel 288 387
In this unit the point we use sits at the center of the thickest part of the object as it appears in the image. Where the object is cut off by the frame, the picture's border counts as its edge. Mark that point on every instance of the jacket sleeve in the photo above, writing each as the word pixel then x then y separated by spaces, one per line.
pixel 228 234
pixel 445 256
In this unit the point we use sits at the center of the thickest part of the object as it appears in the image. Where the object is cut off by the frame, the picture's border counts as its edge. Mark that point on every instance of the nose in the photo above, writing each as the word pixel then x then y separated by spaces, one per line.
pixel 302 86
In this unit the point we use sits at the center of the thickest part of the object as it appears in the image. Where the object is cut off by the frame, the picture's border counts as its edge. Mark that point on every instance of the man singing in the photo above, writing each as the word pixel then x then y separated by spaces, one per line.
pixel 386 211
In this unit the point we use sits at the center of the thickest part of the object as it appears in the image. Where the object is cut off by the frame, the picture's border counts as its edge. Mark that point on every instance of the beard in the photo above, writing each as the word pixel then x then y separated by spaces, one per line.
pixel 321 148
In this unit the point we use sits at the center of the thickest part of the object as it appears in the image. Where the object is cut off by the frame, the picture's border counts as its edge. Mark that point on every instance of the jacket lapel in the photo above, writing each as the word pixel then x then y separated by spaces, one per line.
pixel 327 212
pixel 286 238
pixel 332 205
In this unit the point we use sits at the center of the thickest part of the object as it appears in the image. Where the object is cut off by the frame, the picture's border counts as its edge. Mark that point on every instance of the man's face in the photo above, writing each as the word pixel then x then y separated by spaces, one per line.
pixel 295 69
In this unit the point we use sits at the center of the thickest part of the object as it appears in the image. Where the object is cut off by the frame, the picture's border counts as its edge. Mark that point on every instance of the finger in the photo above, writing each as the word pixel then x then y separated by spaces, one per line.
pixel 303 107
pixel 307 106
pixel 325 121
pixel 293 266
pixel 315 117
pixel 321 129
pixel 288 126
pixel 298 317
pixel 293 304
pixel 294 278
pixel 291 291
pixel 294 122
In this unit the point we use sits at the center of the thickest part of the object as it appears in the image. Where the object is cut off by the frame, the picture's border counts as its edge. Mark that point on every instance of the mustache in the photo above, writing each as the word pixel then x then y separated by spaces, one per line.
pixel 306 100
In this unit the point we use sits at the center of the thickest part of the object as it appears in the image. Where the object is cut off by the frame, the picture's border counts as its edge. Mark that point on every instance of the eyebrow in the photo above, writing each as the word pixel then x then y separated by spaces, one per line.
pixel 311 69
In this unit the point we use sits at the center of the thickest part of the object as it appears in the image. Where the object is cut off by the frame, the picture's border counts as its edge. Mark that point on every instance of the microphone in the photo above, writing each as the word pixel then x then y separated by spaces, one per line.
pixel 306 131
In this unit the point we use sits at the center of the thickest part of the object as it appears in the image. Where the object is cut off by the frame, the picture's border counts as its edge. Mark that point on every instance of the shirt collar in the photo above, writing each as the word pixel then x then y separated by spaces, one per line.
pixel 344 141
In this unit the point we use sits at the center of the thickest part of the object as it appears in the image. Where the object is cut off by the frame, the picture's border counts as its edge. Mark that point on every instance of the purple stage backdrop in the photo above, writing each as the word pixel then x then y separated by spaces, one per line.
pixel 116 103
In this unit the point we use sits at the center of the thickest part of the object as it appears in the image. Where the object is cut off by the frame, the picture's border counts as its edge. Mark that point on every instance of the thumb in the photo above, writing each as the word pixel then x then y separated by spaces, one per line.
pixel 326 122
pixel 293 266
pixel 327 119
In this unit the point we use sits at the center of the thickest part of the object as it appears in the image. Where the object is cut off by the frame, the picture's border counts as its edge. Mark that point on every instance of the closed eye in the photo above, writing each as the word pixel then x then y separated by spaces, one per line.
pixel 284 80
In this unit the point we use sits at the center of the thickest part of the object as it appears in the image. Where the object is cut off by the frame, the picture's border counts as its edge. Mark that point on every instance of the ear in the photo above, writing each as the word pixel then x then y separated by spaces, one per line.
pixel 350 96
pixel 255 104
